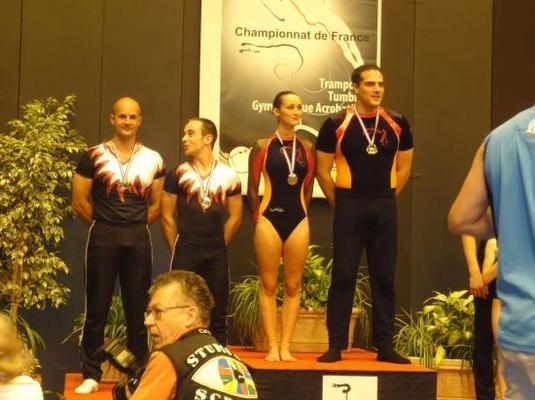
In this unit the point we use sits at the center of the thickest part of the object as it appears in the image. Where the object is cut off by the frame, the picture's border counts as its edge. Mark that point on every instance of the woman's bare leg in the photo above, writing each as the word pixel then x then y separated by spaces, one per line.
pixel 268 248
pixel 294 256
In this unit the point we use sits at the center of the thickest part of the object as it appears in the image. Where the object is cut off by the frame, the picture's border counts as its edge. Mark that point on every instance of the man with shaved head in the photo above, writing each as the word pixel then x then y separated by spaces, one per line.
pixel 116 191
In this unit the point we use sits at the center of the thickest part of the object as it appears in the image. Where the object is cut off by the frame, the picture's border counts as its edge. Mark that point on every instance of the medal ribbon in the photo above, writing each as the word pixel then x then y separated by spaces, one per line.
pixel 124 173
pixel 291 165
pixel 364 130
pixel 204 191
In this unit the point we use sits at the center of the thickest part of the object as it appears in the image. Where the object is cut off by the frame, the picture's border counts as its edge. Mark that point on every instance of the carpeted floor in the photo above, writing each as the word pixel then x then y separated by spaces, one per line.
pixel 73 380
pixel 353 360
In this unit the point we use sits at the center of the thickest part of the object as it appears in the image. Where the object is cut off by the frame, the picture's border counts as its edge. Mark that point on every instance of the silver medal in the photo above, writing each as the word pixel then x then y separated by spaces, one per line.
pixel 204 192
pixel 292 179
pixel 371 148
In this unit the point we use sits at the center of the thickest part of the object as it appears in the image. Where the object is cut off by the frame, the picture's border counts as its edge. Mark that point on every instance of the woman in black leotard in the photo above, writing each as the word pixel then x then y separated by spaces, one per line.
pixel 286 163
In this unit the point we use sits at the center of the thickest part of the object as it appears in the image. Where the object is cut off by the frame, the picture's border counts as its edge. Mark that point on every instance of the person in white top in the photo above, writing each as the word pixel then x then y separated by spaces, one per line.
pixel 15 361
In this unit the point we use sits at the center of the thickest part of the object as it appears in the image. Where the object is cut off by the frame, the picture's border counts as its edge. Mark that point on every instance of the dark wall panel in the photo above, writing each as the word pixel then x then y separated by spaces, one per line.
pixel 10 25
pixel 451 114
pixel 513 59
pixel 190 61
pixel 397 61
pixel 142 58
pixel 61 55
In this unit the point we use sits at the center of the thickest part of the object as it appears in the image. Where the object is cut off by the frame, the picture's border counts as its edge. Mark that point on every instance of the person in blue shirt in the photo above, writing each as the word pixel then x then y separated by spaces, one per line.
pixel 498 197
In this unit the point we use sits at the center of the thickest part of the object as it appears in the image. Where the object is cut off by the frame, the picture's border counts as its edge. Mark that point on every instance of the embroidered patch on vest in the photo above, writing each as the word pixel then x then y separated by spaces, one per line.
pixel 226 375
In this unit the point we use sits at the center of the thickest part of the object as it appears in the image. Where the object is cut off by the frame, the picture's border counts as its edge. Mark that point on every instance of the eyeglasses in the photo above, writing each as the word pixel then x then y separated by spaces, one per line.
pixel 157 312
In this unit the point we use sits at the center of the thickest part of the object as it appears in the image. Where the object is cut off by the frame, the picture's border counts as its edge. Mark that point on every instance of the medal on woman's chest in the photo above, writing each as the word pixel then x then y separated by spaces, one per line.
pixel 292 178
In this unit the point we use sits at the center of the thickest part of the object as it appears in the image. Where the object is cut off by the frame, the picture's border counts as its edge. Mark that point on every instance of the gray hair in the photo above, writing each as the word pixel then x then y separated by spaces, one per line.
pixel 194 289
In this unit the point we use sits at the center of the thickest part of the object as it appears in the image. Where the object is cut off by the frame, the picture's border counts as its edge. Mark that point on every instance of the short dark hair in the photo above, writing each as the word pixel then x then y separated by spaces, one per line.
pixel 277 101
pixel 193 287
pixel 208 127
pixel 356 75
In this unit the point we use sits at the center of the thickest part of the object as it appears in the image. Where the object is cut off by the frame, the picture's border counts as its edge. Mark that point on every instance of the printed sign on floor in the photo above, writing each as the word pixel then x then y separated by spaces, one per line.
pixel 346 387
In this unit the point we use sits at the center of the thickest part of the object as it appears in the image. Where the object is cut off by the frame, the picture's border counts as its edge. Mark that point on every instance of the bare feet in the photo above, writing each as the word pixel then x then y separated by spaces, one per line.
pixel 285 355
pixel 273 354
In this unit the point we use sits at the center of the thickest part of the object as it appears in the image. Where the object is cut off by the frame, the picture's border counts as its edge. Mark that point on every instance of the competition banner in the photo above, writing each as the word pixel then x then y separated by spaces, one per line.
pixel 253 49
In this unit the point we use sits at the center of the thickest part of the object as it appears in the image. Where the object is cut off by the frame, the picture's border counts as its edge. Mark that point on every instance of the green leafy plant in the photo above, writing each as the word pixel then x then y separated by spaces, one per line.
pixel 315 288
pixel 443 329
pixel 115 328
pixel 36 169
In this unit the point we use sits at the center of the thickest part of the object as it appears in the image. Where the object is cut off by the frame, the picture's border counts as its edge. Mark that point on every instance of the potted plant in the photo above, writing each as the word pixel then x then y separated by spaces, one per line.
pixel 441 336
pixel 315 286
pixel 35 176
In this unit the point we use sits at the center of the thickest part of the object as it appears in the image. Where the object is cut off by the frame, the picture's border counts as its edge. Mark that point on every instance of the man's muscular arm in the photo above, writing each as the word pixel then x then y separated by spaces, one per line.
pixel 167 219
pixel 324 165
pixel 81 194
pixel 155 200
pixel 403 169
pixel 233 222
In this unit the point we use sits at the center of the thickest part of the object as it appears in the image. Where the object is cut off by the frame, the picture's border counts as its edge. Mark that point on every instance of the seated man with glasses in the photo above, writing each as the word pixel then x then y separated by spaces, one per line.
pixel 187 362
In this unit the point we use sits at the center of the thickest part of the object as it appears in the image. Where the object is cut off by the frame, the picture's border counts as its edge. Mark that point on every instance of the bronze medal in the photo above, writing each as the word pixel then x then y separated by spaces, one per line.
pixel 206 203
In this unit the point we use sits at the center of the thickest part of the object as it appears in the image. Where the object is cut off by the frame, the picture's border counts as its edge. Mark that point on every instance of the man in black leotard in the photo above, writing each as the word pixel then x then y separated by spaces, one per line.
pixel 116 190
pixel 372 148
pixel 206 196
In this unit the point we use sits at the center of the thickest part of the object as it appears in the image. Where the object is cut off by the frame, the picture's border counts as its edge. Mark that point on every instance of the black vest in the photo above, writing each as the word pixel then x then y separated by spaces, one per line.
pixel 207 370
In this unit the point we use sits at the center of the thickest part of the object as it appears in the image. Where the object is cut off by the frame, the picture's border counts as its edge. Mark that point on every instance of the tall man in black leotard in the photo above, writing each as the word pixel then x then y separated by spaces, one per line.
pixel 206 196
pixel 372 148
pixel 116 190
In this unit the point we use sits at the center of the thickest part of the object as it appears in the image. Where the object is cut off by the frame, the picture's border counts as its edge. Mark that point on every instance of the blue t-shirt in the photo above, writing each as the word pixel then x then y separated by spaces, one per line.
pixel 510 175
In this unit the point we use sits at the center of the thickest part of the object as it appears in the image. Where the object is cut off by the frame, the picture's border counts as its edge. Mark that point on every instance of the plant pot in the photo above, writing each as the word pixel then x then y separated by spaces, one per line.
pixel 455 379
pixel 310 333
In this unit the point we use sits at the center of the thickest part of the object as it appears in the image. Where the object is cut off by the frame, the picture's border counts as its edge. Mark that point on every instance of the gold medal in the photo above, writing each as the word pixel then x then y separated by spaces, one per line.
pixel 292 179
pixel 372 149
